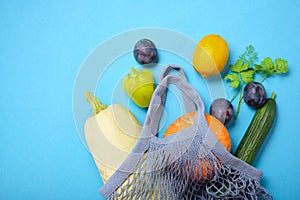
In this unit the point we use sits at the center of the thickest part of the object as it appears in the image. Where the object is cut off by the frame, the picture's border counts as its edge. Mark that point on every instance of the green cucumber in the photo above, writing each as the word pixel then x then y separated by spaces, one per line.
pixel 257 131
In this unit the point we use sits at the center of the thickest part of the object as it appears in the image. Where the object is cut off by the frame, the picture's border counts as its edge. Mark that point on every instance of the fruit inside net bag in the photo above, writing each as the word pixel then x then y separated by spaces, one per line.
pixel 190 164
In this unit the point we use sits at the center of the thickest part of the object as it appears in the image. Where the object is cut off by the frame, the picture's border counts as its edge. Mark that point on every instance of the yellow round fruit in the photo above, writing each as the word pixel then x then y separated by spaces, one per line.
pixel 210 55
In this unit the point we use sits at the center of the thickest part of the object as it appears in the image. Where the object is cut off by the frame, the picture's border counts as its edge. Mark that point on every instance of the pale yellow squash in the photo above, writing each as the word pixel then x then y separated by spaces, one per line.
pixel 110 134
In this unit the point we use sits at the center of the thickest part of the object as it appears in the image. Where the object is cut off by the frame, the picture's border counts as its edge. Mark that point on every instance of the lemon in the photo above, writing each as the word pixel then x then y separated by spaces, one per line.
pixel 210 55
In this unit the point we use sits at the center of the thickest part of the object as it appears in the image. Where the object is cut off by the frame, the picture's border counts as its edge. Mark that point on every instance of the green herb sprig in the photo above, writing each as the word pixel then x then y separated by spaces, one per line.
pixel 268 67
pixel 245 69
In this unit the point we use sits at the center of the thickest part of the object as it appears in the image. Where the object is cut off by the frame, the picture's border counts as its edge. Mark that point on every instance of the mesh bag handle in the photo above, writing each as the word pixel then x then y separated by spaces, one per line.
pixel 191 99
pixel 170 68
pixel 189 105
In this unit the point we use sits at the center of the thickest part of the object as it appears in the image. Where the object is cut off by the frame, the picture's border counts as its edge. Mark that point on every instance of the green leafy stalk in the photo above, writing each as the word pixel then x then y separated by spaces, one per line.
pixel 241 74
pixel 268 67
pixel 235 95
pixel 239 105
pixel 245 68
pixel 249 56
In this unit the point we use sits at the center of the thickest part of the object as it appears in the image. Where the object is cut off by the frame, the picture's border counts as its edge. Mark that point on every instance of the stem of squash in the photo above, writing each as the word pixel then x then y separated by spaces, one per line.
pixel 95 103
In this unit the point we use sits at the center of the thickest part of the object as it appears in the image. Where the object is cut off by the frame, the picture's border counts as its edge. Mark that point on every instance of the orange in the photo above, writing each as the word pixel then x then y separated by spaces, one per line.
pixel 204 169
pixel 219 130
pixel 214 124
pixel 210 55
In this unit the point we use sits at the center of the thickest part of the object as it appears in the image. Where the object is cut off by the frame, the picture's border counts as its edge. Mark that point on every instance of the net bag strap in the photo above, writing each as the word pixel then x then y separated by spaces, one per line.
pixel 189 106
pixel 192 101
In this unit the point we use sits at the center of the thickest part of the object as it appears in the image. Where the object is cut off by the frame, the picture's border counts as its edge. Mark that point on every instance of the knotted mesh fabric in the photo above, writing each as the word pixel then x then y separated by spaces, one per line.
pixel 190 164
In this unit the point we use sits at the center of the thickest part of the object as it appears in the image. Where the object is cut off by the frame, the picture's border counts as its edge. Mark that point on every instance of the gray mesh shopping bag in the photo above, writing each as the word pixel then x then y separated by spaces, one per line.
pixel 190 164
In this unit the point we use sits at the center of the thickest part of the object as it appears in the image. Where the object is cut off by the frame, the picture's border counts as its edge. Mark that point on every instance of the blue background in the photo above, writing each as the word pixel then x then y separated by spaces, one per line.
pixel 44 43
